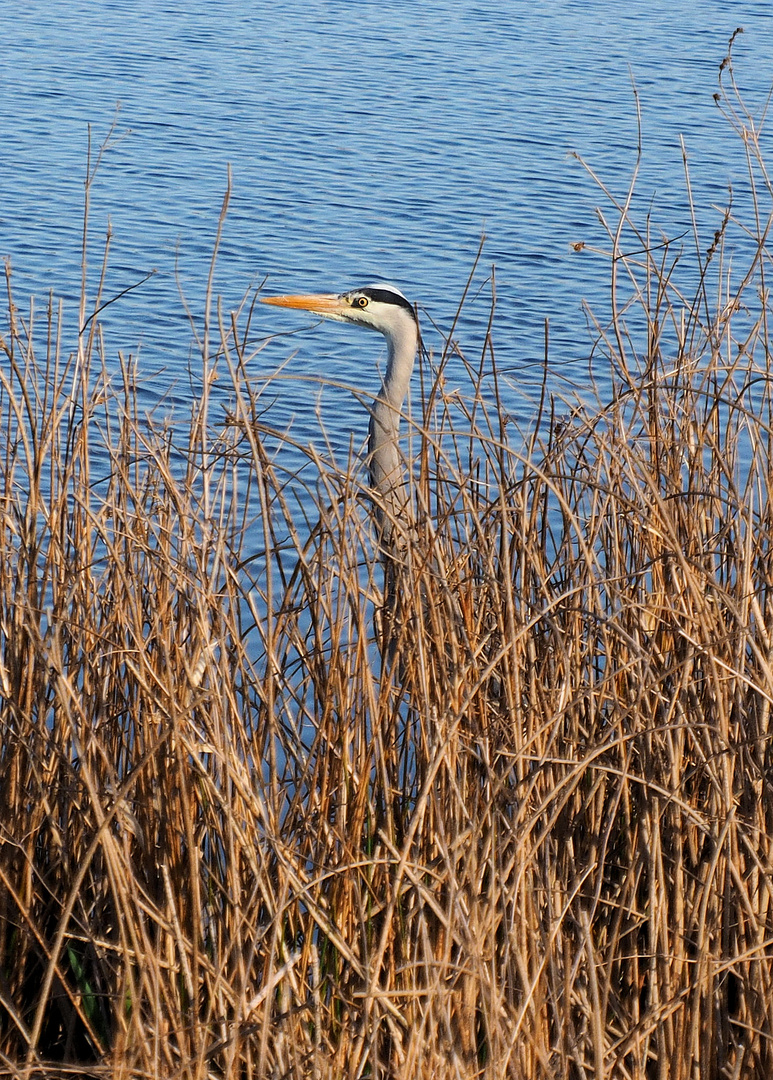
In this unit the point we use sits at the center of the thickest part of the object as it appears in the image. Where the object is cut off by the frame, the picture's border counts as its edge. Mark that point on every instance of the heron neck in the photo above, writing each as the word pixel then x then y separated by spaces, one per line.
pixel 385 461
pixel 401 353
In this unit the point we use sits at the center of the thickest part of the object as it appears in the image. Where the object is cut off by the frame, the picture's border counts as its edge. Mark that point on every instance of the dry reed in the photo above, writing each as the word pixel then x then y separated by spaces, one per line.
pixel 538 845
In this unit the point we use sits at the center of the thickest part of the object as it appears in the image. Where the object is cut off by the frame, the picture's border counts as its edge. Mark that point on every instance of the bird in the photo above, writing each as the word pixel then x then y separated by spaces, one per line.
pixel 383 308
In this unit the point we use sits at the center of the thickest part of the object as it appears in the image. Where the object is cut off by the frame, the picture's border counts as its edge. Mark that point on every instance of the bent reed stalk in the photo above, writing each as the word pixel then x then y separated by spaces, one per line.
pixel 229 847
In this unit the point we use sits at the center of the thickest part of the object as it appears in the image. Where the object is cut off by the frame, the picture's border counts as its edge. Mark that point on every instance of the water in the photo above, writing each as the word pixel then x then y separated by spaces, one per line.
pixel 370 141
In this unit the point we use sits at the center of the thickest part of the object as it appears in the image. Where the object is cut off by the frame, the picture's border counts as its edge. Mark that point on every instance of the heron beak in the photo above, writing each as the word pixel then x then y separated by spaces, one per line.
pixel 329 304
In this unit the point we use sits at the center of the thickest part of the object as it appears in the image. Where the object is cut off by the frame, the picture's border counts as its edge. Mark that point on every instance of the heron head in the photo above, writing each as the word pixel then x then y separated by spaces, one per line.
pixel 380 307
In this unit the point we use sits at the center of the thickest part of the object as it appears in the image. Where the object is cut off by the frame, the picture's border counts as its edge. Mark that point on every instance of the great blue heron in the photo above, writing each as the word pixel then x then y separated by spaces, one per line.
pixel 382 308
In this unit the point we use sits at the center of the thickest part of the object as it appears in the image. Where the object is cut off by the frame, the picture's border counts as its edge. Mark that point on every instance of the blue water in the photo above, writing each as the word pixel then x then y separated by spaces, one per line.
pixel 366 141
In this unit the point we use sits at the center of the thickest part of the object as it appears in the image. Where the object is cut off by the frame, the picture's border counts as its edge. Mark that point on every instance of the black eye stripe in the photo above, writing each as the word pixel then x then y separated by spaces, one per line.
pixel 386 296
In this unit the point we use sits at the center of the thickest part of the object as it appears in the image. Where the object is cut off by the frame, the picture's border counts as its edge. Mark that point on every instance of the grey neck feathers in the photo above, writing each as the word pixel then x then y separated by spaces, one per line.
pixel 386 472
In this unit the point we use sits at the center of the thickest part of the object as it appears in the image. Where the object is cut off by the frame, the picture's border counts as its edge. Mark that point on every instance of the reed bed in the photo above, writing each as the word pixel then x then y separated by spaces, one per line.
pixel 535 841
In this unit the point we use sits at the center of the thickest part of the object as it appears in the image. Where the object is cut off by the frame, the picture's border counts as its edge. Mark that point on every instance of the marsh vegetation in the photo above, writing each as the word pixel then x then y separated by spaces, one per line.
pixel 538 844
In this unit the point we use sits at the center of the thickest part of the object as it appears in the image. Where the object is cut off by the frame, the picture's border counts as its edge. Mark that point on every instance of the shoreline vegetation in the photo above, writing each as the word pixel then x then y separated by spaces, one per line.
pixel 540 845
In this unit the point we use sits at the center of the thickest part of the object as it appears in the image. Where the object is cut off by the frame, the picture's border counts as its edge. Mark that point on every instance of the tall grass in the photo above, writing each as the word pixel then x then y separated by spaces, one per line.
pixel 538 843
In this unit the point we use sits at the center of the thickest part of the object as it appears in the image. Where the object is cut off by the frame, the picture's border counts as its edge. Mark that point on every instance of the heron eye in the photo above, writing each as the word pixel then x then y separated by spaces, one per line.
pixel 362 301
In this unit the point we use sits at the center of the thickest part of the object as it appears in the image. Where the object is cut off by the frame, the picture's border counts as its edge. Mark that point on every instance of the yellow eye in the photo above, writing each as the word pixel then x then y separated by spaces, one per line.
pixel 361 301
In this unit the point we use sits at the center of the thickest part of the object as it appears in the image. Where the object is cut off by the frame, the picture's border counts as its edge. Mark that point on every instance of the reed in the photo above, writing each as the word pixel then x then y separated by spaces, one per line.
pixel 536 844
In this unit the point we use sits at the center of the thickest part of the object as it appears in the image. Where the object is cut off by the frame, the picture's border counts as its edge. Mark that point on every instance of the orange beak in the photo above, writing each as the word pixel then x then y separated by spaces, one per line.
pixel 329 304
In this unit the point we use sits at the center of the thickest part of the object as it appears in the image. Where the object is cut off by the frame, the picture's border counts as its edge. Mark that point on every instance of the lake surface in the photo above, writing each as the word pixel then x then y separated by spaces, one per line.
pixel 367 141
